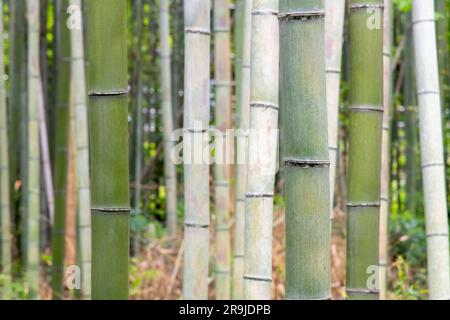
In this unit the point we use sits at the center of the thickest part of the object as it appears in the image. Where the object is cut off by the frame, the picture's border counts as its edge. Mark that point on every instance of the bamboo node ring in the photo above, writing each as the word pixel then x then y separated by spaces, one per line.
pixel 302 15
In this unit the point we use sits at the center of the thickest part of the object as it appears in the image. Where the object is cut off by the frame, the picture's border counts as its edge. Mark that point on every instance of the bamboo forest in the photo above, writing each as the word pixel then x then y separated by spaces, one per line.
pixel 224 149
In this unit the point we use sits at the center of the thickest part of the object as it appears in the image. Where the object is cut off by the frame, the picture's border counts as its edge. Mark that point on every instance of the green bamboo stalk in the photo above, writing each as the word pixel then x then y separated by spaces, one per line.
pixel 4 175
pixel 262 150
pixel 385 151
pixel 196 134
pixel 108 125
pixel 33 163
pixel 306 158
pixel 139 128
pixel 82 149
pixel 166 93
pixel 62 125
pixel 222 63
pixel 334 35
pixel 243 112
pixel 432 153
pixel 366 118
pixel 238 38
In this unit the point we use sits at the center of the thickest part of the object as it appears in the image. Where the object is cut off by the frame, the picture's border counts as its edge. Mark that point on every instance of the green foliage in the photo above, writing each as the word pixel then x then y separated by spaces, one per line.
pixel 403 5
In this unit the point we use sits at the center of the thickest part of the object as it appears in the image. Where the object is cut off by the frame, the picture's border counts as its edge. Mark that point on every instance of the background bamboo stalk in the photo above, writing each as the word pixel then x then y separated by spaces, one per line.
pixel 431 144
pixel 334 36
pixel 108 133
pixel 33 164
pixel 366 101
pixel 166 90
pixel 223 78
pixel 262 150
pixel 6 232
pixel 243 110
pixel 196 136
pixel 306 157
pixel 385 142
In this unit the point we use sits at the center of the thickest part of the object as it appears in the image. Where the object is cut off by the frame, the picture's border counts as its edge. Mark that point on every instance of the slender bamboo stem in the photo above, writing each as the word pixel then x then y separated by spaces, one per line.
pixel 6 232
pixel 108 132
pixel 432 153
pixel 82 149
pixel 243 102
pixel 33 163
pixel 366 118
pixel 334 35
pixel 222 62
pixel 196 136
pixel 306 157
pixel 262 150
pixel 166 92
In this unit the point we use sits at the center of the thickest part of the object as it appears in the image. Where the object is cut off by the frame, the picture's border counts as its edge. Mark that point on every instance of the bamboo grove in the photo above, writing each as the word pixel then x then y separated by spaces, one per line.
pixel 224 149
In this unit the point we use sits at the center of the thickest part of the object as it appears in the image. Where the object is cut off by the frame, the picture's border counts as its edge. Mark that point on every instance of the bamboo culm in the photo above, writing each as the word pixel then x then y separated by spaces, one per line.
pixel 108 135
pixel 305 155
pixel 432 153
pixel 196 132
pixel 81 133
pixel 33 163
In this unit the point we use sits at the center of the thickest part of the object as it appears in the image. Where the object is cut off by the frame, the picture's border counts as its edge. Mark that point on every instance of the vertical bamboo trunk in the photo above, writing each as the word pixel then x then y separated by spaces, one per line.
pixel 222 63
pixel 196 134
pixel 334 35
pixel 306 158
pixel 5 210
pixel 366 119
pixel 108 125
pixel 262 150
pixel 62 124
pixel 33 164
pixel 238 41
pixel 166 90
pixel 243 109
pixel 82 151
pixel 432 152
pixel 139 128
pixel 385 151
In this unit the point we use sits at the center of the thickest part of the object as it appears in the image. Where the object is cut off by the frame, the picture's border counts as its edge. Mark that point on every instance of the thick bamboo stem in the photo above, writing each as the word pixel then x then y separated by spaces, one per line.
pixel 431 144
pixel 196 137
pixel 262 150
pixel 223 86
pixel 306 157
pixel 33 163
pixel 166 93
pixel 108 133
pixel 366 118
pixel 243 109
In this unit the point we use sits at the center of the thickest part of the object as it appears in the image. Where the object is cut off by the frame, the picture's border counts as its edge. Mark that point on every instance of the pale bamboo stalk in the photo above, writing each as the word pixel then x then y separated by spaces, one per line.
pixel 82 152
pixel 334 35
pixel 166 97
pixel 196 133
pixel 262 150
pixel 431 144
pixel 6 235
pixel 222 62
pixel 241 167
pixel 33 163
pixel 385 147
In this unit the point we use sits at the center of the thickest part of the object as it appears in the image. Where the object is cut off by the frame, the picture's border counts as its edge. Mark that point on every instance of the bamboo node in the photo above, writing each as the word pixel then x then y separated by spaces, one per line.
pixel 200 31
pixel 303 163
pixel 196 225
pixel 362 290
pixel 259 195
pixel 364 204
pixel 111 211
pixel 366 108
pixel 265 105
pixel 114 92
pixel 361 6
pixel 267 12
pixel 257 278
pixel 302 15
pixel 434 235
pixel 431 165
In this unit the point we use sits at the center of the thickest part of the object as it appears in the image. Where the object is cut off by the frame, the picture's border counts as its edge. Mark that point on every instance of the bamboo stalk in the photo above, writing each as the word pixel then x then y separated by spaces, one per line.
pixel 366 118
pixel 166 93
pixel 108 125
pixel 334 34
pixel 306 157
pixel 6 232
pixel 262 150
pixel 222 67
pixel 243 110
pixel 432 153
pixel 33 163
pixel 385 149
pixel 196 127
